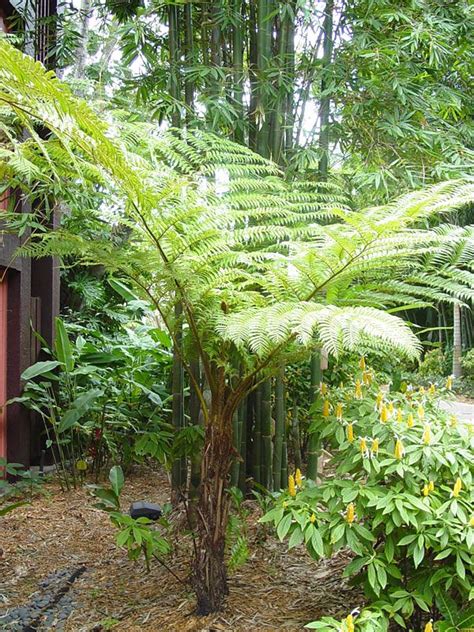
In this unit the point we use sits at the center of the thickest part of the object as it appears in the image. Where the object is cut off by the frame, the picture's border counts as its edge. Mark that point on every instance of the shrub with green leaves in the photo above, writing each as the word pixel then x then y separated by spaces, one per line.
pixel 397 493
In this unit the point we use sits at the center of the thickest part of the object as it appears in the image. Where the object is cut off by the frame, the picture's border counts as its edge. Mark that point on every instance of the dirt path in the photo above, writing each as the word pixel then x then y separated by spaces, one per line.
pixel 60 533
pixel 464 411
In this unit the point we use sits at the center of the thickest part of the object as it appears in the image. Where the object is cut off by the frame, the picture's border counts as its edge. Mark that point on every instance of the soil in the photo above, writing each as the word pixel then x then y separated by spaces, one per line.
pixel 62 540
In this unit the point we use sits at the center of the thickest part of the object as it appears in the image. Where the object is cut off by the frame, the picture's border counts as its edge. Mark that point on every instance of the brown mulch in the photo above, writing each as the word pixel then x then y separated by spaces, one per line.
pixel 274 590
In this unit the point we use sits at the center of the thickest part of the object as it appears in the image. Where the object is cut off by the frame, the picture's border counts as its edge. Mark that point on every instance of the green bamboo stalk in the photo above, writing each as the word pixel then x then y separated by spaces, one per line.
pixel 238 70
pixel 177 411
pixel 314 442
pixel 326 99
pixel 279 428
pixel 173 44
pixel 284 466
pixel 266 427
pixel 257 437
pixel 189 60
pixel 243 436
pixel 235 470
pixel 295 437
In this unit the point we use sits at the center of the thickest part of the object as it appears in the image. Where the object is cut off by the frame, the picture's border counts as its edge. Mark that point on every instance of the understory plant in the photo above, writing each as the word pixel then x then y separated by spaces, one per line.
pixel 101 397
pixel 397 493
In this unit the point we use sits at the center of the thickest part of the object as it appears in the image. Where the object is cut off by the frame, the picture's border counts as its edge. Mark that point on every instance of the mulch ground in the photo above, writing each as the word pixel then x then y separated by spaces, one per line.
pixel 274 590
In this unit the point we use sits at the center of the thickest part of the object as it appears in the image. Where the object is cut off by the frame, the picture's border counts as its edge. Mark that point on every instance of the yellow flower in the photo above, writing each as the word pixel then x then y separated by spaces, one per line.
pixel 291 485
pixel 431 486
pixel 285 504
pixel 341 384
pixel 471 521
pixel 363 445
pixel 350 433
pixel 367 378
pixel 457 487
pixel 391 408
pixel 453 421
pixel 379 400
pixel 399 415
pixel 326 408
pixel 399 449
pixel 298 477
pixel 427 434
pixel 358 390
pixel 375 446
pixel 426 490
pixel 421 412
pixel 384 414
pixel 350 627
pixel 421 390
pixel 323 389
pixel 449 383
pixel 432 389
pixel 429 626
pixel 313 518
pixel 362 363
pixel 410 420
pixel 339 408
pixel 350 513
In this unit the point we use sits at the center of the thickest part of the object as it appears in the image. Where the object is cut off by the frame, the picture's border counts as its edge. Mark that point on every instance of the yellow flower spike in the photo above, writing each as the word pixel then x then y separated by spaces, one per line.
pixel 427 434
pixel 341 384
pixel 339 409
pixel 457 487
pixel 358 390
pixel 362 363
pixel 399 449
pixel 350 513
pixel 350 627
pixel 449 383
pixel 350 433
pixel 375 446
pixel 426 490
pixel 391 408
pixel 421 390
pixel 384 414
pixel 323 388
pixel 432 389
pixel 431 486
pixel 429 626
pixel 326 408
pixel 298 477
pixel 453 421
pixel 363 445
pixel 291 485
pixel 471 521
pixel 410 420
pixel 420 411
pixel 399 415
pixel 366 378
pixel 313 518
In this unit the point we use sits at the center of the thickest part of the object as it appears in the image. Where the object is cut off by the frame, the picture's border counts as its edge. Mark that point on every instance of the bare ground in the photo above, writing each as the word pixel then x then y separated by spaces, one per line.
pixel 274 590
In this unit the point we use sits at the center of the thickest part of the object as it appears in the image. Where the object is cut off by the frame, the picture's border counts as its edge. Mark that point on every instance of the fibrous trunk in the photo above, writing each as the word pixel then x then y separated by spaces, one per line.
pixel 209 573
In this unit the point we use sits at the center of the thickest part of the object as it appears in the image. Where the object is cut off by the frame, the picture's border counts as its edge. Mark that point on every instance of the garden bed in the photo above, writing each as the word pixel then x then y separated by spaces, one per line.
pixel 60 567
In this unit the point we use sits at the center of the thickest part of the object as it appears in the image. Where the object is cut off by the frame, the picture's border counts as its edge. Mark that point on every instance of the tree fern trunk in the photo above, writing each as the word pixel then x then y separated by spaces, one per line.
pixel 279 428
pixel 195 419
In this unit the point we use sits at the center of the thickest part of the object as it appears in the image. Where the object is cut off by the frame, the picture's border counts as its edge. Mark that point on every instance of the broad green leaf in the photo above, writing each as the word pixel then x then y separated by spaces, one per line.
pixel 40 368
pixel 63 347
pixel 116 479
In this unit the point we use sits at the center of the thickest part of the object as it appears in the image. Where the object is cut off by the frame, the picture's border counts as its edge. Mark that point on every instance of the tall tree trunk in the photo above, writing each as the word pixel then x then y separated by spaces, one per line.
pixel 457 341
pixel 189 59
pixel 209 577
pixel 82 48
